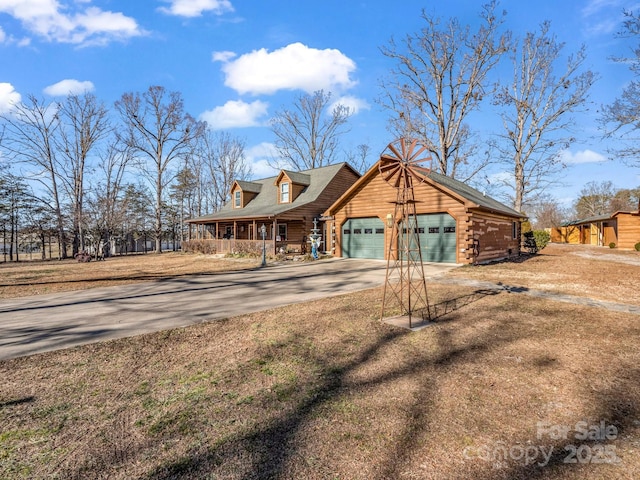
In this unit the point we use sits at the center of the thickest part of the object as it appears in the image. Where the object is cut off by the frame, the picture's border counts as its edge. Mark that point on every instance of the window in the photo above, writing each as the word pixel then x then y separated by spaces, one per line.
pixel 284 192
pixel 347 231
pixel 237 199
pixel 282 231
pixel 420 229
pixel 368 231
pixel 514 230
pixel 434 229
pixel 449 229
pixel 380 231
pixel 357 231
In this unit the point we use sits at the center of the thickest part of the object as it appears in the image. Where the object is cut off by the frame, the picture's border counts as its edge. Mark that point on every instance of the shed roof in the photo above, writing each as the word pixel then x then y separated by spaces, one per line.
pixel 595 218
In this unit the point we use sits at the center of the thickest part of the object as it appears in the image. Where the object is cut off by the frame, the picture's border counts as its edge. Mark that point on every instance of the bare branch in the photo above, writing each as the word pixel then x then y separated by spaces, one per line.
pixel 306 137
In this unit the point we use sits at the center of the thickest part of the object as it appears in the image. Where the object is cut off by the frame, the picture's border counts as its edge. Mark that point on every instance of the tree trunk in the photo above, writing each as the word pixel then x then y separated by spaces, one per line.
pixel 158 225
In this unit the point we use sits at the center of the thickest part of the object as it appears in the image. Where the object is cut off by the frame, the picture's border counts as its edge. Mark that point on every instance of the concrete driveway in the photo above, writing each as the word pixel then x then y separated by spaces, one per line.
pixel 42 323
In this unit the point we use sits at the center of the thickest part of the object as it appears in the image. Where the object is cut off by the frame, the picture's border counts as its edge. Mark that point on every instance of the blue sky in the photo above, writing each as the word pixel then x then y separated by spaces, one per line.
pixel 237 62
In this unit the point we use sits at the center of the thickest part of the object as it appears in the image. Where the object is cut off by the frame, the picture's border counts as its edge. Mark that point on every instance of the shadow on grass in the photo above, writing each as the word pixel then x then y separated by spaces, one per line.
pixel 441 309
pixel 268 451
pixel 18 401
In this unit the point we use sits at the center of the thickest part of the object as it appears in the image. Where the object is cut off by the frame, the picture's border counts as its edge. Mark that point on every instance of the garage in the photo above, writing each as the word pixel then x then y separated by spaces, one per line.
pixel 456 223
pixel 437 232
pixel 363 238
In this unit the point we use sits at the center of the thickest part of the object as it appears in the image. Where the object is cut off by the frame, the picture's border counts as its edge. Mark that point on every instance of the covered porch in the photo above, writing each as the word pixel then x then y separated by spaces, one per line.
pixel 245 235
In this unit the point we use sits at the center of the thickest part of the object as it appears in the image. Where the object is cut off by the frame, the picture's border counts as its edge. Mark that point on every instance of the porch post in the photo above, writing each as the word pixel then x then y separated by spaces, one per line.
pixel 254 230
pixel 275 235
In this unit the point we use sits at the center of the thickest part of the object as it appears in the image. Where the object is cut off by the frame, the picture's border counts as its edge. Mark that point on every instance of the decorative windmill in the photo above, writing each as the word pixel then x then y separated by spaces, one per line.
pixel 401 167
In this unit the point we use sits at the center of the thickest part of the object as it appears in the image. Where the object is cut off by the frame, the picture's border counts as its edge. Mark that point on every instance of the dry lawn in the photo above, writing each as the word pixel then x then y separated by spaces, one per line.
pixel 35 278
pixel 324 390
pixel 594 272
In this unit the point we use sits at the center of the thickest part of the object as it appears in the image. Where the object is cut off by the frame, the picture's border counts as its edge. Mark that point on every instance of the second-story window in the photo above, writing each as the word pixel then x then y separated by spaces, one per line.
pixel 237 199
pixel 284 192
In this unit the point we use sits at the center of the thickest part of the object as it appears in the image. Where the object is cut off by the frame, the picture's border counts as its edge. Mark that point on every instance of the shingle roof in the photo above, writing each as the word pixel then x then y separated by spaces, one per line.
pixel 473 195
pixel 299 177
pixel 596 218
pixel 252 187
pixel 265 203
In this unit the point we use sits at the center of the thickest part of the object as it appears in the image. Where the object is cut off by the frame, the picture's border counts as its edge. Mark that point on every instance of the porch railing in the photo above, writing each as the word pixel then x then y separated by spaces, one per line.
pixel 231 245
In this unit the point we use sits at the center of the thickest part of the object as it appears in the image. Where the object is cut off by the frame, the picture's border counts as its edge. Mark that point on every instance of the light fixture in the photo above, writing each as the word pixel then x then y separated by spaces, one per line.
pixel 389 220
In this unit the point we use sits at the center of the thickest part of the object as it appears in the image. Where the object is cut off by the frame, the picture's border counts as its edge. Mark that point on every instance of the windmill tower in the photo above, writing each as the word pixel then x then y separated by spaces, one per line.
pixel 401 167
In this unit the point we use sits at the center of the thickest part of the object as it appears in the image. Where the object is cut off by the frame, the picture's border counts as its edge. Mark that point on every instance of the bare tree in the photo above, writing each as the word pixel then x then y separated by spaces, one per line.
pixel 537 109
pixel 159 132
pixel 306 137
pixel 547 212
pixel 626 199
pixel 621 119
pixel 83 124
pixel 360 158
pixel 440 78
pixel 30 137
pixel 223 161
pixel 595 199
pixel 105 212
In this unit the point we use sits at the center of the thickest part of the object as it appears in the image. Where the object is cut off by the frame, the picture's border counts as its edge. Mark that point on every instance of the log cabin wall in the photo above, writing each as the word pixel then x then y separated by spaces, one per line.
pixel 495 235
pixel 376 198
pixel 628 229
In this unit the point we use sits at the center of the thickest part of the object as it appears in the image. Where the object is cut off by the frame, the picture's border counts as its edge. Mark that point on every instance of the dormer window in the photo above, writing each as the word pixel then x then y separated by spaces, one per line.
pixel 237 199
pixel 284 192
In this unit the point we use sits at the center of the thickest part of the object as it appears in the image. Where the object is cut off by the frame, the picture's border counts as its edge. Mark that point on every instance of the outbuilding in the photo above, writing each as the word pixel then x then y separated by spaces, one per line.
pixel 456 223
pixel 620 229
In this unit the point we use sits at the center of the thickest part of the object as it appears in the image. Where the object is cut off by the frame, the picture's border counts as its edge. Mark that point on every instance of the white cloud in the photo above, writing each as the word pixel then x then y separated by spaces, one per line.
pixel 353 103
pixel 3 36
pixel 500 178
pixel 8 97
pixel 195 8
pixel 259 156
pixel 294 67
pixel 235 114
pixel 595 6
pixel 222 56
pixel 581 156
pixel 68 87
pixel 60 23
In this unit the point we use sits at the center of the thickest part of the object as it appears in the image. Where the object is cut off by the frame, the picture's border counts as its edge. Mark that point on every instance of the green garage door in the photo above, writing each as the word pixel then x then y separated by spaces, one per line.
pixel 363 238
pixel 437 232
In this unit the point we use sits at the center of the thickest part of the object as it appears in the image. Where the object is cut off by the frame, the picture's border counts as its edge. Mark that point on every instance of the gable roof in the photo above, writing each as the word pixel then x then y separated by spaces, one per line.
pixel 453 187
pixel 252 187
pixel 475 196
pixel 265 203
pixel 299 178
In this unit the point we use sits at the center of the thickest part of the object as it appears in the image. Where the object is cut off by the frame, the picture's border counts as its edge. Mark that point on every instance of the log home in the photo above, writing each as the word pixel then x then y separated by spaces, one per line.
pixel 456 223
pixel 286 204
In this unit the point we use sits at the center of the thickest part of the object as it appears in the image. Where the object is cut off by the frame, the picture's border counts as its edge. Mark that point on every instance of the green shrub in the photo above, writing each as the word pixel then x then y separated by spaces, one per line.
pixel 542 238
pixel 612 245
pixel 637 247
